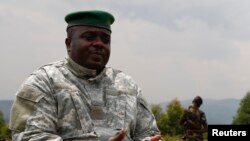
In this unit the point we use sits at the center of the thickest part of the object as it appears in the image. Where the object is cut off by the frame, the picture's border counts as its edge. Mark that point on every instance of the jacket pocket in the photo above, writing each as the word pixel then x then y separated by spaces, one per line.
pixel 116 105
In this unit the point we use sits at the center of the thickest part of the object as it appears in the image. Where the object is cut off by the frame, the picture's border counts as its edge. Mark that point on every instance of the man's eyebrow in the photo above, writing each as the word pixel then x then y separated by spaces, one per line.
pixel 106 34
pixel 87 32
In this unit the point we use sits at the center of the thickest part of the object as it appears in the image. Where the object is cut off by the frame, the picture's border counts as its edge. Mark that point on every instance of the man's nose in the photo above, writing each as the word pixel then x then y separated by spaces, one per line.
pixel 98 42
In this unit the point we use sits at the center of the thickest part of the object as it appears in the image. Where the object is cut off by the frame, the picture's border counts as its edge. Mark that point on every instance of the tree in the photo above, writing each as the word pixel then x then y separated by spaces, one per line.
pixel 4 131
pixel 157 111
pixel 243 112
pixel 1 119
pixel 169 123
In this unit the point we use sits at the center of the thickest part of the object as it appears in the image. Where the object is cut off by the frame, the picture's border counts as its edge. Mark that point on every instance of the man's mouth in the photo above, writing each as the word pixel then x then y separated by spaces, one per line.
pixel 97 56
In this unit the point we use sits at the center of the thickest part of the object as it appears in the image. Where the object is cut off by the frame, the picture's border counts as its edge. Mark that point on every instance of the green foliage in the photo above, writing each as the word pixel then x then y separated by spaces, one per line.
pixel 243 113
pixel 174 113
pixel 169 121
pixel 157 111
pixel 4 131
pixel 1 119
pixel 163 124
pixel 171 138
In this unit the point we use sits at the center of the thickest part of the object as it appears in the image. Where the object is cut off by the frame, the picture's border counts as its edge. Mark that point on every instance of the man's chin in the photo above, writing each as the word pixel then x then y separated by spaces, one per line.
pixel 97 66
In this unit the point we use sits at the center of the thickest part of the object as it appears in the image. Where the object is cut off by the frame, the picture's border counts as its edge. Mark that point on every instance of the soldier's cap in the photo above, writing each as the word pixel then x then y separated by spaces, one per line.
pixel 96 18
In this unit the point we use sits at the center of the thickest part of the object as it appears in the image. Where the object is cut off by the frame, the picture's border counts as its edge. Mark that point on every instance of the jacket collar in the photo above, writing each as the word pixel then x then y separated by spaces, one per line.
pixel 79 70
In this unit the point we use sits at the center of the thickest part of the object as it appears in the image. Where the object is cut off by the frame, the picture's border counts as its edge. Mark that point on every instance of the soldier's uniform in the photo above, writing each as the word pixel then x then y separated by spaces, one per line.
pixel 194 121
pixel 64 101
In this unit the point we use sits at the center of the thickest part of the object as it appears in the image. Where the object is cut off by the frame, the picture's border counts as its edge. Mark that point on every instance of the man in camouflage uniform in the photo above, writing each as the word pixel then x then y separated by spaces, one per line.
pixel 79 98
pixel 194 121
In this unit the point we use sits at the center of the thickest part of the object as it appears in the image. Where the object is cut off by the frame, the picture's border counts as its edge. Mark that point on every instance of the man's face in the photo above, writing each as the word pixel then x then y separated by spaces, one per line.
pixel 89 46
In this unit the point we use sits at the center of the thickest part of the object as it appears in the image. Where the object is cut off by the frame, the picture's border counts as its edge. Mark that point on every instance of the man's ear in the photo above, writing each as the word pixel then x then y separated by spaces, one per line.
pixel 67 43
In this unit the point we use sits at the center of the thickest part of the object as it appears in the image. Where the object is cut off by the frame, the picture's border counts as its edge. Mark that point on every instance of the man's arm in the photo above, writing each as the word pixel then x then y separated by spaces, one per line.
pixel 204 122
pixel 33 114
pixel 183 119
pixel 146 127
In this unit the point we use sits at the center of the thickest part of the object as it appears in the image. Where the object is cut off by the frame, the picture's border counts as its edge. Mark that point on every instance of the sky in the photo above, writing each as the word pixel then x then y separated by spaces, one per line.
pixel 171 48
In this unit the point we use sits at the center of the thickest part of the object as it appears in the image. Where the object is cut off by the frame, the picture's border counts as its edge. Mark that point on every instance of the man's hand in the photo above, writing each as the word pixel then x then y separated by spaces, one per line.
pixel 122 133
pixel 155 138
pixel 119 137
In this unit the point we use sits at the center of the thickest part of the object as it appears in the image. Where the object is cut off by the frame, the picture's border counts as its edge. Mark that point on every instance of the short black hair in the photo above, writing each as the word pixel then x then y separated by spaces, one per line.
pixel 198 101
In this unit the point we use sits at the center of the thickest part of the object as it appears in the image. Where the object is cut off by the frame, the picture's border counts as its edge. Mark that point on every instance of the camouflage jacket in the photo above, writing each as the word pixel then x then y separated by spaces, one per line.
pixel 194 120
pixel 64 101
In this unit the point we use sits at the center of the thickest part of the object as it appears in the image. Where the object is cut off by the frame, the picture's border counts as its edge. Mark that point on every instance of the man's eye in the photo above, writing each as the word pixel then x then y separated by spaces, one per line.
pixel 89 37
pixel 106 40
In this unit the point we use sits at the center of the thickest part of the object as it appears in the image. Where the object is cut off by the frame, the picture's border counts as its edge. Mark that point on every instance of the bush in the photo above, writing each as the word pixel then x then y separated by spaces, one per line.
pixel 5 133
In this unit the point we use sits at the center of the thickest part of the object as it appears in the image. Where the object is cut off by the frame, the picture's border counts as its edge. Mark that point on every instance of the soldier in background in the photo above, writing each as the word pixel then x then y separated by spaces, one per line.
pixel 79 98
pixel 194 121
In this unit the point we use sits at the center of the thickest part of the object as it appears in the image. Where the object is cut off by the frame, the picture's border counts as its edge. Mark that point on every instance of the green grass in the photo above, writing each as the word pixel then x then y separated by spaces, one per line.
pixel 171 138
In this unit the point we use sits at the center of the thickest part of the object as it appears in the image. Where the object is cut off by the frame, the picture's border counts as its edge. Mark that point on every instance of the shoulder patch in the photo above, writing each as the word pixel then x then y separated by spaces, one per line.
pixel 23 107
pixel 30 93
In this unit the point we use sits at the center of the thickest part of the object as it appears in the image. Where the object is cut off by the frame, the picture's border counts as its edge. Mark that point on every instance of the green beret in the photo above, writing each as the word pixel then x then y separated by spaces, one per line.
pixel 94 18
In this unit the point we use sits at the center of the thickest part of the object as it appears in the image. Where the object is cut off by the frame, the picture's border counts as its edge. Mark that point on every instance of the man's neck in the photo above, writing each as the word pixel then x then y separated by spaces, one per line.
pixel 80 70
pixel 195 106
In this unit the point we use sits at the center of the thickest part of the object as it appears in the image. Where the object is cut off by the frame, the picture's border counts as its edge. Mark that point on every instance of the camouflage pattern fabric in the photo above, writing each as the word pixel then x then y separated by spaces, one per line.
pixel 193 121
pixel 64 101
